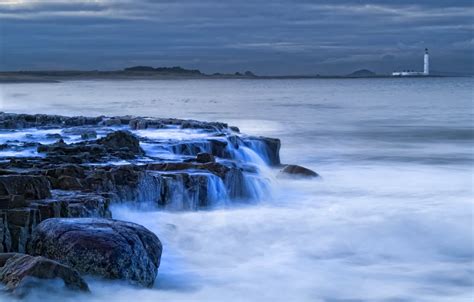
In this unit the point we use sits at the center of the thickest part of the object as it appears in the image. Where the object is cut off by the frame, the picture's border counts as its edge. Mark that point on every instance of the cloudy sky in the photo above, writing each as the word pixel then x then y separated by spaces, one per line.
pixel 268 37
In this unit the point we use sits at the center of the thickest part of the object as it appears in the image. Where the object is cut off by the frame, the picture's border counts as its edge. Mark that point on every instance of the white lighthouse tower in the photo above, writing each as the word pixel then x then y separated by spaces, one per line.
pixel 426 69
pixel 411 73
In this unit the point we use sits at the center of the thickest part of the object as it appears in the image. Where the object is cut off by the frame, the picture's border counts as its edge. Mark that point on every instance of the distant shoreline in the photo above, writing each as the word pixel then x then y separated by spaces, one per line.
pixel 60 76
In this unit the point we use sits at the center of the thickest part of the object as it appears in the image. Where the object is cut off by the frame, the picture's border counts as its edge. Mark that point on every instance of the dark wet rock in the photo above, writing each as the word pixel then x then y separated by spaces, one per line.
pixel 144 123
pixel 21 222
pixel 65 170
pixel 215 168
pixel 121 140
pixel 54 136
pixel 19 217
pixel 19 121
pixel 118 144
pixel 87 166
pixel 205 158
pixel 137 123
pixel 31 187
pixel 61 148
pixel 5 237
pixel 65 182
pixel 12 201
pixel 7 172
pixel 298 171
pixel 268 147
pixel 72 204
pixel 104 247
pixel 121 181
pixel 114 121
pixel 19 272
pixel 191 124
pixel 219 148
pixel 89 134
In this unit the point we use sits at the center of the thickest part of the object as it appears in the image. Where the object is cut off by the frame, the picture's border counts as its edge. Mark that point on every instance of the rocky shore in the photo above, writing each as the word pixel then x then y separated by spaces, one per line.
pixel 59 175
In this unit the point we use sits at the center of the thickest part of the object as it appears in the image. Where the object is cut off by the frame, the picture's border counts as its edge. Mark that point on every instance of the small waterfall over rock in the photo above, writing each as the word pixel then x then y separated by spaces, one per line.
pixel 246 161
pixel 166 163
pixel 57 166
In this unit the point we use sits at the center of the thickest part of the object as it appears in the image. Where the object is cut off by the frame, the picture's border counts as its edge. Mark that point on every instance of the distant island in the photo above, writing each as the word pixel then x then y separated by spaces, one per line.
pixel 362 73
pixel 134 72
pixel 158 73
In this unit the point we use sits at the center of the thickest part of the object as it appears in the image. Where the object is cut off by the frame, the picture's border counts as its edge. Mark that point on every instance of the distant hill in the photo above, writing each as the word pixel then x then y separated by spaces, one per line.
pixel 362 73
pixel 163 70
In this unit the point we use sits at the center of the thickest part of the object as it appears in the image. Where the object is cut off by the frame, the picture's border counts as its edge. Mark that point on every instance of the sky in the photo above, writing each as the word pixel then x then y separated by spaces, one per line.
pixel 280 37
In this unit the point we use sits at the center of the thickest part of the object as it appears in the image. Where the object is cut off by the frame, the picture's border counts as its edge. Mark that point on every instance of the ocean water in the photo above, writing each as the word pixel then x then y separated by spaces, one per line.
pixel 390 220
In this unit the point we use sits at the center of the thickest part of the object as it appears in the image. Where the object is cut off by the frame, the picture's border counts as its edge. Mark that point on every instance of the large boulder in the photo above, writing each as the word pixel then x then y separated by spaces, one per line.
pixel 296 170
pixel 105 247
pixel 19 272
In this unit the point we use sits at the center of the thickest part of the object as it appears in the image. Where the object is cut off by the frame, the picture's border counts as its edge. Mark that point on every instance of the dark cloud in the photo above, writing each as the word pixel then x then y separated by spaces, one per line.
pixel 270 37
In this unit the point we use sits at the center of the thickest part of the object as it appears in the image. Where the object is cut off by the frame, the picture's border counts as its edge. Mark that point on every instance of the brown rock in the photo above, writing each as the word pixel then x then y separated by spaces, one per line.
pixel 68 183
pixel 32 187
pixel 19 271
pixel 105 247
pixel 298 171
pixel 205 158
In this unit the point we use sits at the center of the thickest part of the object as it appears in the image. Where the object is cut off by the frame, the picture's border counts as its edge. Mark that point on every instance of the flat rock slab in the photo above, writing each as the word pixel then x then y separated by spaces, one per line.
pixel 104 247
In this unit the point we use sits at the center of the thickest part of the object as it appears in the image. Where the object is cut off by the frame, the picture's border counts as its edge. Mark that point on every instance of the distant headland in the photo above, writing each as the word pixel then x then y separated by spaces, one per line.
pixel 158 73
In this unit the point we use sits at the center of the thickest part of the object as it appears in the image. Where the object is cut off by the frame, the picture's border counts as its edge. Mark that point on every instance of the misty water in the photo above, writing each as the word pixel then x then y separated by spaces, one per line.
pixel 390 220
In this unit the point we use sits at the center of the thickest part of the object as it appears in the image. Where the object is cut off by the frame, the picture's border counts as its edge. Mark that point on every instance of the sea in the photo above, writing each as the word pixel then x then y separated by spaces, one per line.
pixel 390 218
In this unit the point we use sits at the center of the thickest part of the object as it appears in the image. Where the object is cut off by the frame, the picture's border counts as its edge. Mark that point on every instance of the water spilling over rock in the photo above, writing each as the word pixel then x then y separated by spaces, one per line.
pixel 56 167
pixel 170 163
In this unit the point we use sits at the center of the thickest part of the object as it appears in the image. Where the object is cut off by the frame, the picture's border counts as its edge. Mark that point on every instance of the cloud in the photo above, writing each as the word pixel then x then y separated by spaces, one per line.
pixel 273 36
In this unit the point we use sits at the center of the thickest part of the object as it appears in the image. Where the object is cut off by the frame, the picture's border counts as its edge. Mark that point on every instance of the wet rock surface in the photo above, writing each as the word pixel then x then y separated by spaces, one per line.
pixel 30 186
pixel 19 221
pixel 295 170
pixel 135 159
pixel 105 247
pixel 59 175
pixel 19 273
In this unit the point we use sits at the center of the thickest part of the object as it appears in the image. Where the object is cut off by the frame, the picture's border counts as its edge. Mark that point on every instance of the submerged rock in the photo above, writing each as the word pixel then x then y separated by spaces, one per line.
pixel 298 171
pixel 105 247
pixel 18 272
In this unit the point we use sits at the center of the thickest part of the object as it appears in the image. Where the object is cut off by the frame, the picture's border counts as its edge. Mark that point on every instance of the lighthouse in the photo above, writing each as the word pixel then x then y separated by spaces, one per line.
pixel 426 67
pixel 411 73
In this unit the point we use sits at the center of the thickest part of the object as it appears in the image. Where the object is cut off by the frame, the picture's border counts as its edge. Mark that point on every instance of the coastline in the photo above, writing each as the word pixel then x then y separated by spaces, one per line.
pixel 60 179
